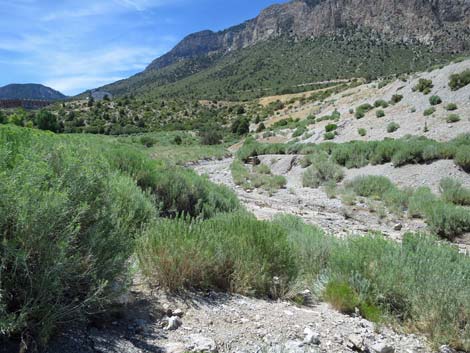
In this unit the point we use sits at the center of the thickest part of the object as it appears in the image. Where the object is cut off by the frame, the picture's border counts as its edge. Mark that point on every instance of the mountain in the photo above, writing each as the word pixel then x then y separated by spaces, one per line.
pixel 306 41
pixel 30 91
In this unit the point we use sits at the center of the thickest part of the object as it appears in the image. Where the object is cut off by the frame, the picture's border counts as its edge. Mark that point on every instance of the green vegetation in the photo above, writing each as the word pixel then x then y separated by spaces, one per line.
pixel 362 110
pixel 425 86
pixel 453 118
pixel 78 207
pixel 452 191
pixel 429 111
pixel 356 154
pixel 259 177
pixel 451 106
pixel 67 200
pixel 435 100
pixel 380 113
pixel 392 127
pixel 234 253
pixel 321 170
pixel 396 98
pixel 280 66
pixel 381 104
pixel 441 215
pixel 329 136
pixel 331 127
pixel 362 132
pixel 457 81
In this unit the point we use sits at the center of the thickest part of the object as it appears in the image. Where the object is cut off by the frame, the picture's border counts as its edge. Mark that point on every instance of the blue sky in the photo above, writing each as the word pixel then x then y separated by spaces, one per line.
pixel 74 45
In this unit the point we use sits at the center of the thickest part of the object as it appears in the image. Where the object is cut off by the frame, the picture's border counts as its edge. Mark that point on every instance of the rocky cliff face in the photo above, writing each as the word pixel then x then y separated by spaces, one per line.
pixel 443 24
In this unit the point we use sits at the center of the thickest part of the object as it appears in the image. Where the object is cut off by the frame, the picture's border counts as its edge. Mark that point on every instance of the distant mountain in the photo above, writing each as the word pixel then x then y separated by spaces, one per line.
pixel 30 91
pixel 309 40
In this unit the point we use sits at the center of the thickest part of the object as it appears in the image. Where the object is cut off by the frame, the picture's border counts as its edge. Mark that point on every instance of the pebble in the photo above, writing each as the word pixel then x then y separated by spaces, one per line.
pixel 382 348
pixel 174 323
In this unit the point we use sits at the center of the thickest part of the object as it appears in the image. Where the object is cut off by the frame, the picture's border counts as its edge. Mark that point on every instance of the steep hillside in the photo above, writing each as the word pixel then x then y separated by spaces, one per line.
pixel 29 91
pixel 306 41
pixel 439 113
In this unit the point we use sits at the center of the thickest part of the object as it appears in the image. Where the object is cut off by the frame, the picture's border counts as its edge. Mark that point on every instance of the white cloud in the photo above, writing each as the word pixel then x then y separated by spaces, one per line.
pixel 70 85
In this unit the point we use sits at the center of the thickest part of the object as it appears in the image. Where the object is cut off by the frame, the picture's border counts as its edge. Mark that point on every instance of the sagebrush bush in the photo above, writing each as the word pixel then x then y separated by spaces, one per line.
pixel 67 230
pixel 462 158
pixel 451 106
pixel 392 127
pixel 452 118
pixel 321 170
pixel 329 136
pixel 396 98
pixel 232 252
pixel 381 103
pixel 362 132
pixel 331 127
pixel 425 86
pixel 435 100
pixel 454 192
pixel 460 80
pixel 371 185
pixel 380 113
pixel 429 111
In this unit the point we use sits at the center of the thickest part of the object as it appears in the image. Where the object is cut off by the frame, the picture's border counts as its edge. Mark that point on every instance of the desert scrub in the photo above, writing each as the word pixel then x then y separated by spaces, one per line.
pixel 435 100
pixel 321 170
pixel 381 104
pixel 362 110
pixel 429 111
pixel 69 220
pixel 370 186
pixel 396 98
pixel 331 127
pixel 362 132
pixel 392 127
pixel 424 86
pixel 329 136
pixel 460 80
pixel 380 113
pixel 451 106
pixel 462 158
pixel 261 177
pixel 232 252
pixel 452 118
pixel 454 192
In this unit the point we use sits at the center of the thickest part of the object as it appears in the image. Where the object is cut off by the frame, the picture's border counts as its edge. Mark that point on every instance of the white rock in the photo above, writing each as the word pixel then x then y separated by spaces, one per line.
pixel 382 348
pixel 178 312
pixel 174 323
pixel 201 344
pixel 174 347
pixel 447 349
pixel 311 337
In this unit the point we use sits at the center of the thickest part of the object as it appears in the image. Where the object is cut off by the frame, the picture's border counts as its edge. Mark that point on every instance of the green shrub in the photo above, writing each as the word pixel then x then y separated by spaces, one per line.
pixel 429 111
pixel 451 106
pixel 452 191
pixel 299 131
pixel 331 127
pixel 457 81
pixel 371 186
pixel 425 86
pixel 362 110
pixel 341 296
pixel 452 118
pixel 329 136
pixel 396 98
pixel 67 230
pixel 435 100
pixel 381 103
pixel 392 127
pixel 3 117
pixel 148 141
pixel 321 171
pixel 261 127
pixel 380 113
pixel 233 252
pixel 362 132
pixel 462 158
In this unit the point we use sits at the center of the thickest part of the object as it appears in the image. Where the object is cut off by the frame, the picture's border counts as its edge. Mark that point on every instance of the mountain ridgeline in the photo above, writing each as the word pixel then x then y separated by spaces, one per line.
pixel 30 91
pixel 305 41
